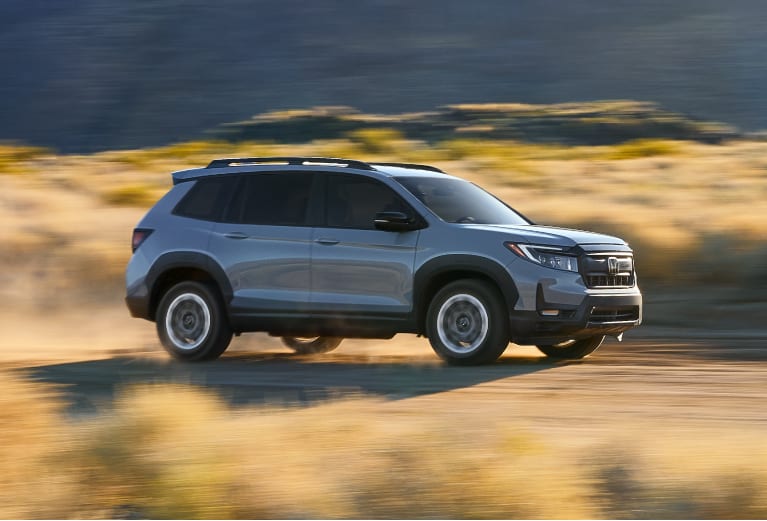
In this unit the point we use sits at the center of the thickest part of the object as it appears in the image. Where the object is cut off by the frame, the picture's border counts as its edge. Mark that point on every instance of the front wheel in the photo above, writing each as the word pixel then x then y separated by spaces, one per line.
pixel 311 346
pixel 191 322
pixel 572 349
pixel 467 323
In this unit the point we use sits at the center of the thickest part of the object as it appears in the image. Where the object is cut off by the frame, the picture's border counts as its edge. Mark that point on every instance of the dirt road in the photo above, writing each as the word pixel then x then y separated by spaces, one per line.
pixel 650 382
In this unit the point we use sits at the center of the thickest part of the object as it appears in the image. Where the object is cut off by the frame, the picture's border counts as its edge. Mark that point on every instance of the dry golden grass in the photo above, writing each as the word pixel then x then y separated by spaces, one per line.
pixel 700 208
pixel 180 452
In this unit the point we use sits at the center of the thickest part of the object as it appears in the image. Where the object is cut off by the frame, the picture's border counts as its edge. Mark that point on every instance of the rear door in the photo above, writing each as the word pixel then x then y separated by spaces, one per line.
pixel 264 245
pixel 357 269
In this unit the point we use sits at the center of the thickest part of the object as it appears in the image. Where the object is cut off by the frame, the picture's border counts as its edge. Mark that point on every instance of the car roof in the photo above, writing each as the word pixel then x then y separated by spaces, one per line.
pixel 299 163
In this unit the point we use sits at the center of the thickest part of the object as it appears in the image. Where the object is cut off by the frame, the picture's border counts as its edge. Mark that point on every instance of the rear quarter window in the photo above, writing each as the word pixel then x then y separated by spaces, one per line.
pixel 206 199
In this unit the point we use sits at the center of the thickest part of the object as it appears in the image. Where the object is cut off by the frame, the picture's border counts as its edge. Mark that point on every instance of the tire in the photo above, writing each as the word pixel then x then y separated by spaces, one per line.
pixel 467 323
pixel 312 346
pixel 191 322
pixel 572 349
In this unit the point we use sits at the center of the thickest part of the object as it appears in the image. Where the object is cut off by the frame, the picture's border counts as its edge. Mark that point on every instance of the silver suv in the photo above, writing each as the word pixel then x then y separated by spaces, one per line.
pixel 316 249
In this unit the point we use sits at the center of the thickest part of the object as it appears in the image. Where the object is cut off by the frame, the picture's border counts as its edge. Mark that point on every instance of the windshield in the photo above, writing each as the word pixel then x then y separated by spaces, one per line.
pixel 458 201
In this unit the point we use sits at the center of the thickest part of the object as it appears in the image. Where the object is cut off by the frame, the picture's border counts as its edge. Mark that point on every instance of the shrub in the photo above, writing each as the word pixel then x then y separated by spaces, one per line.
pixel 378 140
pixel 639 148
pixel 131 195
pixel 12 156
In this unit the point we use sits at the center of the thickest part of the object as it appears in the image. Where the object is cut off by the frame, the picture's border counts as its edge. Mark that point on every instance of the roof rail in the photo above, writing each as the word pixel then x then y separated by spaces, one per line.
pixel 329 161
pixel 411 165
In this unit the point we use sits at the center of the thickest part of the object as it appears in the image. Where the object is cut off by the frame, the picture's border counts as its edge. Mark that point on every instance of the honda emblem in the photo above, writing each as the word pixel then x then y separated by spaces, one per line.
pixel 612 265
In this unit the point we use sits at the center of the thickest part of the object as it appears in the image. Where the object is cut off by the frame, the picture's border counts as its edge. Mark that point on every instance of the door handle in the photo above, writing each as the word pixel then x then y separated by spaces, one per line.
pixel 327 241
pixel 235 235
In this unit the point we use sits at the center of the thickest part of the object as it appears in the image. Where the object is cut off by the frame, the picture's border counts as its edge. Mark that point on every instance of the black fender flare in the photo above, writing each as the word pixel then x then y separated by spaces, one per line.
pixel 189 260
pixel 462 266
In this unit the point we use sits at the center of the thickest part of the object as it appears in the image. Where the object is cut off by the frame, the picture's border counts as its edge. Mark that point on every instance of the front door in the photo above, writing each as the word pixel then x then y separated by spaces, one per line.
pixel 357 269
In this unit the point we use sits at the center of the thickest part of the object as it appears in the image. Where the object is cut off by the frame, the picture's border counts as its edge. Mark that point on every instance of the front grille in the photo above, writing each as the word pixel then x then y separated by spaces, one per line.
pixel 608 270
pixel 600 315
pixel 609 281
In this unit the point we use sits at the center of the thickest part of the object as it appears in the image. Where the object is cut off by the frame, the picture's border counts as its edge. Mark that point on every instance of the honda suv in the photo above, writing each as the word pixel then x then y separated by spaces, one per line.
pixel 317 249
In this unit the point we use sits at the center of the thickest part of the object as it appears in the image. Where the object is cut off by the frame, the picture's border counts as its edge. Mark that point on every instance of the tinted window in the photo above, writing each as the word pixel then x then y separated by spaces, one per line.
pixel 458 201
pixel 353 202
pixel 278 199
pixel 206 198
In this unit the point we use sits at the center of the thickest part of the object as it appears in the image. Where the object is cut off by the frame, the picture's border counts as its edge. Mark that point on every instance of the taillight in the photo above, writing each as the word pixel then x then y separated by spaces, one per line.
pixel 139 236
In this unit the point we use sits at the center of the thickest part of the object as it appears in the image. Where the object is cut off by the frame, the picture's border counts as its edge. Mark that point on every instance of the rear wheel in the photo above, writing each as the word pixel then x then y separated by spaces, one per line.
pixel 313 345
pixel 573 349
pixel 191 322
pixel 467 323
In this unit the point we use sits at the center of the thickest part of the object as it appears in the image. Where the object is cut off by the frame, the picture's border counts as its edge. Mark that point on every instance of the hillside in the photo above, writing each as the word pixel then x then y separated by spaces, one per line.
pixel 594 123
pixel 90 75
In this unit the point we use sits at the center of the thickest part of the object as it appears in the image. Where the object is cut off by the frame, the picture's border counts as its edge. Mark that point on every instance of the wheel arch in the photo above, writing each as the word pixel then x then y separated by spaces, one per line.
pixel 443 270
pixel 172 268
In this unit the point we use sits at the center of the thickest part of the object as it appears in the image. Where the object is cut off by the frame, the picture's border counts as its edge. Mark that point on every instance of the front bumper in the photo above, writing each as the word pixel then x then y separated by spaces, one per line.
pixel 597 314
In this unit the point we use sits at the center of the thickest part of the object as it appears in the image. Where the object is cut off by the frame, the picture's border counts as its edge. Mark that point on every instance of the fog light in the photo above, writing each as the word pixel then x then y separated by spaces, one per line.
pixel 550 312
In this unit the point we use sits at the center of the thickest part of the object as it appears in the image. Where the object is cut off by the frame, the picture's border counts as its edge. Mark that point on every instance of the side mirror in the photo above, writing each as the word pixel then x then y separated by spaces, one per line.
pixel 395 222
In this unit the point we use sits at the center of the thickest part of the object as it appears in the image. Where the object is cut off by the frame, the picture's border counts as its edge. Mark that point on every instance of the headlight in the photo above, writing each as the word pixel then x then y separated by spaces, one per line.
pixel 549 256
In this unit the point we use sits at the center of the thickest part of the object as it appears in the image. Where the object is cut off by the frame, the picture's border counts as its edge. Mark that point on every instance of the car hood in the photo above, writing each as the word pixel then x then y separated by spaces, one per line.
pixel 550 235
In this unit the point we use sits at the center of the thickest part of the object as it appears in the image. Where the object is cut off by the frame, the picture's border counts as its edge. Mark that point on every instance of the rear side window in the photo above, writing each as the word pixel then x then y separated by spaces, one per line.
pixel 276 199
pixel 206 199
